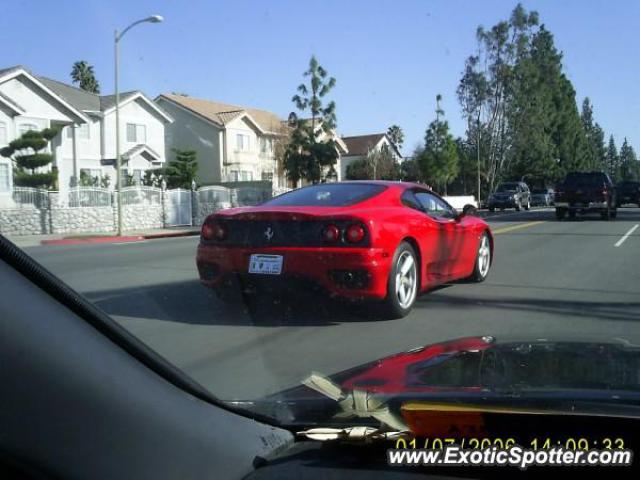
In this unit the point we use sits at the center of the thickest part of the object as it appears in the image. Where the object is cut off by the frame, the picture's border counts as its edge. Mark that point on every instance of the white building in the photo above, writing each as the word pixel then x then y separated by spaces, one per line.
pixel 232 143
pixel 359 146
pixel 86 141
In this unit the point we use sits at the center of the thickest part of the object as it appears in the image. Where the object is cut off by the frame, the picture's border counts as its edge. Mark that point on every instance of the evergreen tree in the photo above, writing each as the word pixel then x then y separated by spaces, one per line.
pixel 612 160
pixel 628 162
pixel 29 159
pixel 439 161
pixel 307 156
pixel 410 167
pixel 181 172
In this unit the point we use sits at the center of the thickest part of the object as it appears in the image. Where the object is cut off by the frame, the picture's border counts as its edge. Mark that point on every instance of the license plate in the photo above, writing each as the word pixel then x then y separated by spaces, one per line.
pixel 265 264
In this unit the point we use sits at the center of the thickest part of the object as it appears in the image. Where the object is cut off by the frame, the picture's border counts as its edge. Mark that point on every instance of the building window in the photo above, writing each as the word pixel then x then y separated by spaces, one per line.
pixel 243 142
pixel 3 133
pixel 246 176
pixel 82 131
pixel 4 177
pixel 136 133
pixel 266 145
pixel 27 127
pixel 267 176
pixel 233 176
pixel 137 177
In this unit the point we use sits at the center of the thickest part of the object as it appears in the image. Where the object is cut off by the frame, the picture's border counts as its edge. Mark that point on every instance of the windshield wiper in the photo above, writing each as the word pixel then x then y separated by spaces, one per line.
pixel 356 403
pixel 357 434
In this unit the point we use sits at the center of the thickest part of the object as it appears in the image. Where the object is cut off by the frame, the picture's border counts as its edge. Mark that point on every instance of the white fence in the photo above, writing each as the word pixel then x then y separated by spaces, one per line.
pixel 87 197
pixel 29 211
pixel 215 195
pixel 26 197
pixel 141 196
pixel 247 196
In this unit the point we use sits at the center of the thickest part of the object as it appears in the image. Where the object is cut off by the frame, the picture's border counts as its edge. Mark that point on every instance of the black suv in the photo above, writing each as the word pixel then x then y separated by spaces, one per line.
pixel 584 192
pixel 510 195
pixel 628 192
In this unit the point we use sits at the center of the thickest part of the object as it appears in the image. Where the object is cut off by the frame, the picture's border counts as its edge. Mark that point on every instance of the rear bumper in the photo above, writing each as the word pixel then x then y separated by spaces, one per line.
pixel 581 206
pixel 346 272
pixel 502 204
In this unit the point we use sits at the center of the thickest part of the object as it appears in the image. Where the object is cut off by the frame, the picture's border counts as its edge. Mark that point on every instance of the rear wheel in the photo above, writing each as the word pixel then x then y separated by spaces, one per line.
pixel 402 285
pixel 483 259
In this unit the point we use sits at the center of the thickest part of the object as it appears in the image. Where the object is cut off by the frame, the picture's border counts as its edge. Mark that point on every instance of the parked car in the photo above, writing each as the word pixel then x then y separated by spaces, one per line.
pixel 585 192
pixel 628 192
pixel 510 195
pixel 542 197
pixel 356 240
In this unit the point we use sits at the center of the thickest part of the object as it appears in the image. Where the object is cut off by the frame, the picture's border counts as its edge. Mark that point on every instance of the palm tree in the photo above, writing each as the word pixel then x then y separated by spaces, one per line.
pixel 82 74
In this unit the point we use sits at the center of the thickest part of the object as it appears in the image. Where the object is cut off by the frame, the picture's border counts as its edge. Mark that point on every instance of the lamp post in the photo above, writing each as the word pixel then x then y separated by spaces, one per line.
pixel 117 38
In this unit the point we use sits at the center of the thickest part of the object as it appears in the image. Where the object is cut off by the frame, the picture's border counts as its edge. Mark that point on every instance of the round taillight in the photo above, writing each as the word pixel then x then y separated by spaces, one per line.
pixel 331 233
pixel 207 231
pixel 354 233
pixel 214 231
pixel 220 231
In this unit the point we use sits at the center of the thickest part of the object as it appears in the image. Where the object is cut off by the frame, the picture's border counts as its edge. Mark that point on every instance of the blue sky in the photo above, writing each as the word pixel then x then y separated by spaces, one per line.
pixel 390 58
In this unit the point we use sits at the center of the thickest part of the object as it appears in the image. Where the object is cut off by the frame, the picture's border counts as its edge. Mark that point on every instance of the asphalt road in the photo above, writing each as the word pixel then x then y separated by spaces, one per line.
pixel 549 279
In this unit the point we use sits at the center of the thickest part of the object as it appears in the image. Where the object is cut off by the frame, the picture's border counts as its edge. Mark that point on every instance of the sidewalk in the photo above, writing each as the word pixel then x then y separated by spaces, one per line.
pixel 102 237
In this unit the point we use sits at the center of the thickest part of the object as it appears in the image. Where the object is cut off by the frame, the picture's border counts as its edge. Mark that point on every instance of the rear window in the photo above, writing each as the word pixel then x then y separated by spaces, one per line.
pixel 327 195
pixel 507 187
pixel 586 179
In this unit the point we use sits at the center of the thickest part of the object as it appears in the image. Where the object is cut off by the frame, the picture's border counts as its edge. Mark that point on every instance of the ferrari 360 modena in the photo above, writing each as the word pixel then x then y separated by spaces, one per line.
pixel 368 241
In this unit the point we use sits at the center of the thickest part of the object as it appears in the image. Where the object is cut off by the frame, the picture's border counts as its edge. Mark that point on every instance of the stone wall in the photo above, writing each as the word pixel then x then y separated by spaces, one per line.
pixel 60 219
pixel 82 219
pixel 203 210
pixel 24 221
pixel 142 217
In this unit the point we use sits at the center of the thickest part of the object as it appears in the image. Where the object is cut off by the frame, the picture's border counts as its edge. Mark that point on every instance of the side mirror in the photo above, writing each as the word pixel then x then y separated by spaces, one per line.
pixel 467 210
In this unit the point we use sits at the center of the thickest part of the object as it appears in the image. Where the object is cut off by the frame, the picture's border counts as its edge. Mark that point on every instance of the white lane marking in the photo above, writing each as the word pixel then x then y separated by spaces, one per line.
pixel 129 243
pixel 626 235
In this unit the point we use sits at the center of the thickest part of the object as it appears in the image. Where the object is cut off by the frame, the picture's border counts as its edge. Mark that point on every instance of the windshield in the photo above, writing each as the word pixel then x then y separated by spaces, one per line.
pixel 179 187
pixel 327 195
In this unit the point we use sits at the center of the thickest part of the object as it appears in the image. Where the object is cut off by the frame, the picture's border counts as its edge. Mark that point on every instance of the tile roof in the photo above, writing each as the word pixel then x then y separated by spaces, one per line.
pixel 109 101
pixel 82 100
pixel 75 96
pixel 361 144
pixel 223 113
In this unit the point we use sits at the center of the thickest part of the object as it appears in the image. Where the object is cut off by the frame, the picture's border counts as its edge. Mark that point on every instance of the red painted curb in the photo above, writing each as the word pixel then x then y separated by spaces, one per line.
pixel 83 241
pixel 189 233
pixel 114 239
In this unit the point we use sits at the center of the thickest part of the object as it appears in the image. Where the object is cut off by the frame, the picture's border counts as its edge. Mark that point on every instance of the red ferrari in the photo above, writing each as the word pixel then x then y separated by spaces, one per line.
pixel 385 241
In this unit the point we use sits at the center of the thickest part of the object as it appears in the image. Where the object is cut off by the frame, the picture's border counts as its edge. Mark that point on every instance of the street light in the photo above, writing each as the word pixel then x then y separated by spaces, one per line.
pixel 117 38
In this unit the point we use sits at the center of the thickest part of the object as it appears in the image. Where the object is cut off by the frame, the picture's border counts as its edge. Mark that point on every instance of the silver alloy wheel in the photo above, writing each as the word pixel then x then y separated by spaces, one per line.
pixel 406 279
pixel 484 256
